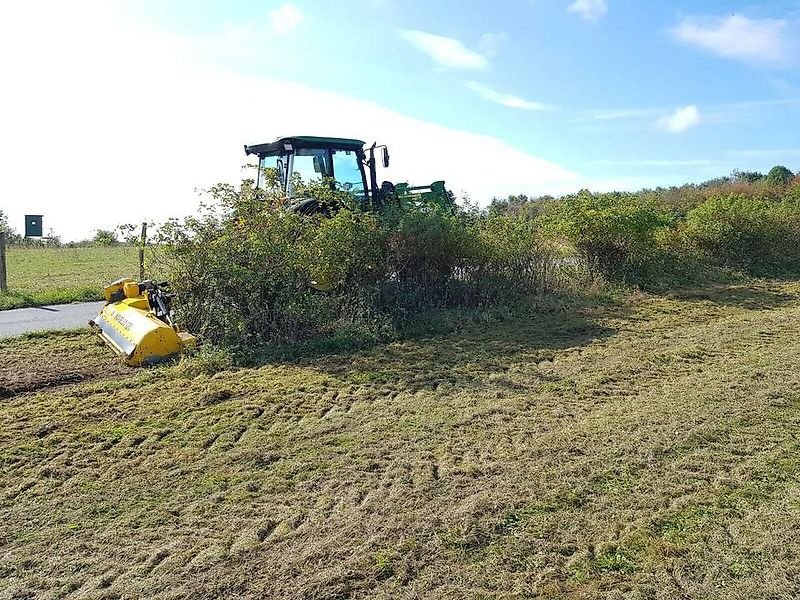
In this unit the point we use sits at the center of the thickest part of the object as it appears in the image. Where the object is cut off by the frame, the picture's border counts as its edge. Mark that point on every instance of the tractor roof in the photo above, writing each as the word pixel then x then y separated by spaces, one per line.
pixel 303 141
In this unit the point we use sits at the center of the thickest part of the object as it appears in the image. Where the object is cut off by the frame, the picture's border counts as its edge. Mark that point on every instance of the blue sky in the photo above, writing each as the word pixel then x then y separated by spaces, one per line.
pixel 581 63
pixel 533 96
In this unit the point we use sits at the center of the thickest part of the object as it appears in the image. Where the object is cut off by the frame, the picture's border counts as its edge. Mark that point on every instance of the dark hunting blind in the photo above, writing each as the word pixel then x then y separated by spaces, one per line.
pixel 33 226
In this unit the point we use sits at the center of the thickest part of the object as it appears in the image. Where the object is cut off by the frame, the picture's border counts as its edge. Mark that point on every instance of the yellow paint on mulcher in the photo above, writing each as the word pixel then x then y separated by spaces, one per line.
pixel 130 327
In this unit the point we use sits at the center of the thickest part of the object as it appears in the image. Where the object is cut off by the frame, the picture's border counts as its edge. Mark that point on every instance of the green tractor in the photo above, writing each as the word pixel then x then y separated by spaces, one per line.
pixel 348 166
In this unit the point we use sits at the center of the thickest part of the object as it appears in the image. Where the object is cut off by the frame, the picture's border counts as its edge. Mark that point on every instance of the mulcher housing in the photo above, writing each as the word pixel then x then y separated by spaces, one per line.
pixel 136 323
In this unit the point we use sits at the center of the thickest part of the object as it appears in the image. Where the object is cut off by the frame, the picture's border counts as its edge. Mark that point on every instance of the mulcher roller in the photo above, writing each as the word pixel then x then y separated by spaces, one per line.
pixel 136 323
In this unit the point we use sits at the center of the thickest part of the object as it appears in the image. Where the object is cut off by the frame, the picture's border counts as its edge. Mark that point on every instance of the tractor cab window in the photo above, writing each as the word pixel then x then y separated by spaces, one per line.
pixel 347 173
pixel 266 162
pixel 312 164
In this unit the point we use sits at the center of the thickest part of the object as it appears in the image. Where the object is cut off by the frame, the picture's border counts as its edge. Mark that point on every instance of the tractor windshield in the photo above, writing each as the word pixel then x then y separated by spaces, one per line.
pixel 347 173
pixel 343 167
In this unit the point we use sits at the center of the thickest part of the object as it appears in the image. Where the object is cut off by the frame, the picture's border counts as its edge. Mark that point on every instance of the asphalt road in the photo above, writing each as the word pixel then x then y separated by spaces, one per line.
pixel 47 318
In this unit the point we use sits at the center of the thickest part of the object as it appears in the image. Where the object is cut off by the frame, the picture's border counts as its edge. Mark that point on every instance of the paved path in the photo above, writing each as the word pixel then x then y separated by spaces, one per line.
pixel 47 318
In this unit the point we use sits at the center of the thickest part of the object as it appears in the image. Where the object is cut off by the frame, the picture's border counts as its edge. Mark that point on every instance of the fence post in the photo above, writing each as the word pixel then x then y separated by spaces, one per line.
pixel 3 270
pixel 142 244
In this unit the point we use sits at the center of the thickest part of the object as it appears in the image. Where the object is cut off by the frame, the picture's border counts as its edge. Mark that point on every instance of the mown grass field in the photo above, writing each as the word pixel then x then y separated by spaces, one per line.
pixel 642 448
pixel 39 276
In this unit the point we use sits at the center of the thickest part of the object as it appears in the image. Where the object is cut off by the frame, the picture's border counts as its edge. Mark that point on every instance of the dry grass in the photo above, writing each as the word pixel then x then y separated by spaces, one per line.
pixel 644 450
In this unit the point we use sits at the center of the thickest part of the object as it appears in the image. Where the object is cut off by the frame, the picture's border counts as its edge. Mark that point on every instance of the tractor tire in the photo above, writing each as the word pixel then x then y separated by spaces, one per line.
pixel 309 207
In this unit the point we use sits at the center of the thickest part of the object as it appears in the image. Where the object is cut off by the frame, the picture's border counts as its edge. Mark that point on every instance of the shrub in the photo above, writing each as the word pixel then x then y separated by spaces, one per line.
pixel 792 190
pixel 515 258
pixel 104 237
pixel 779 175
pixel 740 231
pixel 247 272
pixel 237 271
pixel 428 254
pixel 613 232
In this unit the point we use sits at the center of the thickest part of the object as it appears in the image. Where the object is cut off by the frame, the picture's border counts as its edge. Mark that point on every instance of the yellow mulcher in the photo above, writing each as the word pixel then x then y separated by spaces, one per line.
pixel 136 323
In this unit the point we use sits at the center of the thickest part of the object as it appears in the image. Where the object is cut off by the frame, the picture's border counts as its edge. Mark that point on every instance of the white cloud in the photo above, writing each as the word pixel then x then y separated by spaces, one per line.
pixel 138 127
pixel 445 51
pixel 623 114
pixel 737 37
pixel 511 101
pixel 732 112
pixel 779 154
pixel 490 43
pixel 285 19
pixel 591 10
pixel 649 163
pixel 681 120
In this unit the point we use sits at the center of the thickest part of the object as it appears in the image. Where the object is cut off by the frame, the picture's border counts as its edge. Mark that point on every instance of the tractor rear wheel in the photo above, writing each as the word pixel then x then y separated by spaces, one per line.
pixel 308 207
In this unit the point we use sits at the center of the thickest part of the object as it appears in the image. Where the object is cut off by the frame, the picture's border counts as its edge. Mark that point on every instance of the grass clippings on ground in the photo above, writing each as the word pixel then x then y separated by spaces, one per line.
pixel 645 450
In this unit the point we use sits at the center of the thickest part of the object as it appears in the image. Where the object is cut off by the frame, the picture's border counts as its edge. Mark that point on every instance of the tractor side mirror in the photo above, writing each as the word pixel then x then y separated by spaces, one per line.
pixel 385 157
pixel 318 166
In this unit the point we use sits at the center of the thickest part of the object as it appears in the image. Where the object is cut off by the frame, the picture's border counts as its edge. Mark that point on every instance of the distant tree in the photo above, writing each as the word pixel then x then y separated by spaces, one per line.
pixel 519 205
pixel 779 175
pixel 498 206
pixel 717 181
pixel 747 176
pixel 104 237
pixel 128 233
pixel 53 239
pixel 12 237
pixel 4 226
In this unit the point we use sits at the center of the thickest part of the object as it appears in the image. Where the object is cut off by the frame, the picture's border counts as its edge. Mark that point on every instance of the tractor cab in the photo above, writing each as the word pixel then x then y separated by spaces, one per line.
pixel 343 161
